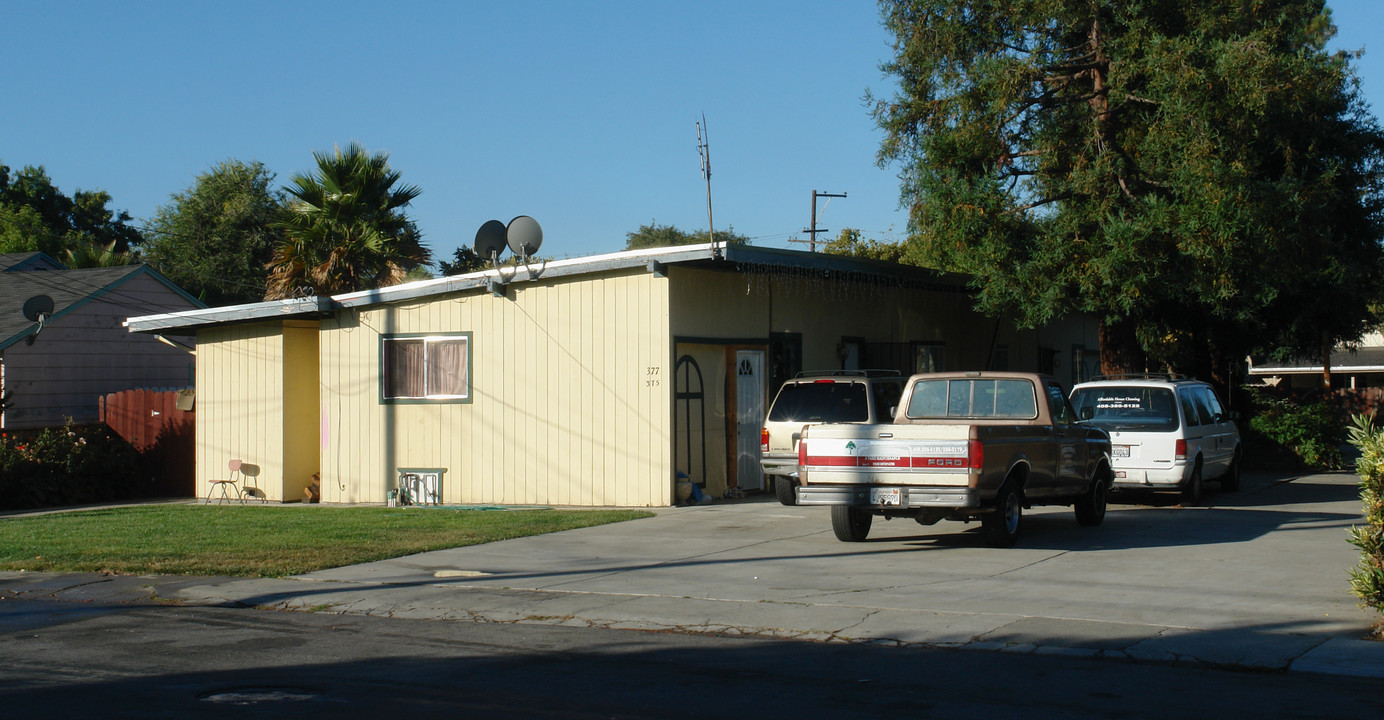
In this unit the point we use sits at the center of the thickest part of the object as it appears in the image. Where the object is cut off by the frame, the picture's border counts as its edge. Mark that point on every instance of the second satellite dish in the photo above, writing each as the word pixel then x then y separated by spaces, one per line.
pixel 524 236
pixel 490 240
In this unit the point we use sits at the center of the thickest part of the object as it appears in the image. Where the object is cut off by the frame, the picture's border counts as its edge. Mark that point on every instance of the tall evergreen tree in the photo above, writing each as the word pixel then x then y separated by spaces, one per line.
pixel 345 228
pixel 1191 173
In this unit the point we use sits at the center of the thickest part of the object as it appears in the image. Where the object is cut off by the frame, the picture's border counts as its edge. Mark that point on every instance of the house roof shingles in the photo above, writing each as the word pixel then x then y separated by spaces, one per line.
pixel 22 279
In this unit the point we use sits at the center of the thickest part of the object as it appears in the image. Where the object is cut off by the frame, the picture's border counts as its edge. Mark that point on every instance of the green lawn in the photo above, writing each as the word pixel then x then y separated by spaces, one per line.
pixel 261 541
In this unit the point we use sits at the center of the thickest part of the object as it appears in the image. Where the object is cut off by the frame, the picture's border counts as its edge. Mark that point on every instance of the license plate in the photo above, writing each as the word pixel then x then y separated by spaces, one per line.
pixel 1121 451
pixel 886 496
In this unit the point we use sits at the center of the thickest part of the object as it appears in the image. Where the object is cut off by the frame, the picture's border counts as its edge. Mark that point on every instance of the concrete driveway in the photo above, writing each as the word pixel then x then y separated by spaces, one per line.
pixel 1253 579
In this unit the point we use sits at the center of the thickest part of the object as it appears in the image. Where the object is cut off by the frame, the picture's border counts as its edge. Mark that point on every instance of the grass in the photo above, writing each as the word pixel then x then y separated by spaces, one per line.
pixel 251 541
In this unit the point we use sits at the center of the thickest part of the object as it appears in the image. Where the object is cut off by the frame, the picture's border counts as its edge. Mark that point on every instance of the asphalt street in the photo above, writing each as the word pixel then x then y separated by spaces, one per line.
pixel 75 660
pixel 1249 590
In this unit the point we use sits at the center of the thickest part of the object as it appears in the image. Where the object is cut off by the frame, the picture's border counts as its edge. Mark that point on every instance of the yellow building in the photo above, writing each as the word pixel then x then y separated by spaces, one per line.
pixel 592 381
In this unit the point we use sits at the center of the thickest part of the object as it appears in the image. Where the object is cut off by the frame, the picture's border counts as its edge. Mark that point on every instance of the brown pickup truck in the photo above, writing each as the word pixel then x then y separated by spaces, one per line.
pixel 962 446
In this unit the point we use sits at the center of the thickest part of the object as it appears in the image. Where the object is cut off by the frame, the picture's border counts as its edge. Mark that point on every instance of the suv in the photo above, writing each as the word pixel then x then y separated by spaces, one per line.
pixel 1167 432
pixel 810 398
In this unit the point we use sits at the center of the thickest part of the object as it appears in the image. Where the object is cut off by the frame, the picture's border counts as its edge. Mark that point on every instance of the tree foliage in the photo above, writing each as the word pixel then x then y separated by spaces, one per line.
pixel 215 238
pixel 35 216
pixel 345 228
pixel 464 260
pixel 850 242
pixel 654 235
pixel 1191 173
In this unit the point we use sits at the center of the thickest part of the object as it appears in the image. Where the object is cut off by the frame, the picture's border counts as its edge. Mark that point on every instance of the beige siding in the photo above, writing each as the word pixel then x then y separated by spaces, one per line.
pixel 240 404
pixel 87 353
pixel 563 409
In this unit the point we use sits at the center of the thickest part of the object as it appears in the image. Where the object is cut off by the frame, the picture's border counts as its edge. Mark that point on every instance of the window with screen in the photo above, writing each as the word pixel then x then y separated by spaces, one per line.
pixel 426 368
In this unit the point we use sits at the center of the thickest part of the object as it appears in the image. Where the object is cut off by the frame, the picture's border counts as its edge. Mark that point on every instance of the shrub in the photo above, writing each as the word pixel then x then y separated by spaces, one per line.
pixel 1309 432
pixel 1367 578
pixel 70 465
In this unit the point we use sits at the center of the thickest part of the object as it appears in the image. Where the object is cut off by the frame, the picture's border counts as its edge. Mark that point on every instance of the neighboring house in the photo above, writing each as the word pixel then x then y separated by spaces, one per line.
pixel 59 371
pixel 1357 365
pixel 590 382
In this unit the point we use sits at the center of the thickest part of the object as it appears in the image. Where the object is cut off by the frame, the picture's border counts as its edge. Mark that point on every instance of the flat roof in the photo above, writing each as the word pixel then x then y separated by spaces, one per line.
pixel 731 258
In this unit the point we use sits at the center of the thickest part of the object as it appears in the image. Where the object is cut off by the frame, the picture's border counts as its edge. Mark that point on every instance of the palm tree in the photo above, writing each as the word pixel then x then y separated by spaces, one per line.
pixel 345 228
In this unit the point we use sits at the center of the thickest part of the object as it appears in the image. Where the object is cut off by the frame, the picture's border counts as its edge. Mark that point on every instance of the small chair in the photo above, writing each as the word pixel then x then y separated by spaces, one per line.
pixel 230 483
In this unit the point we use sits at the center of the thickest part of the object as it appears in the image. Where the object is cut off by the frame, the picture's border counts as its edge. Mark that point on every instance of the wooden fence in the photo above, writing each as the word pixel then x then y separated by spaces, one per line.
pixel 152 422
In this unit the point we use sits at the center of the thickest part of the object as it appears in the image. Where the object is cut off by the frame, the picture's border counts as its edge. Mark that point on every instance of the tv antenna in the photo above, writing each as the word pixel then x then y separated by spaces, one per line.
pixel 704 151
pixel 38 309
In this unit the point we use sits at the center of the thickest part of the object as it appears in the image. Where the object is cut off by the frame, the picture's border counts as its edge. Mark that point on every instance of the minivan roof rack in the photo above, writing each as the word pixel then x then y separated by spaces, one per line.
pixel 1141 376
pixel 849 373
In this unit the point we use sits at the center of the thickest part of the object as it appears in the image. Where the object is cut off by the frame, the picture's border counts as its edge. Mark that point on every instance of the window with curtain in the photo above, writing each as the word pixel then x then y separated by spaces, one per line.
pixel 433 367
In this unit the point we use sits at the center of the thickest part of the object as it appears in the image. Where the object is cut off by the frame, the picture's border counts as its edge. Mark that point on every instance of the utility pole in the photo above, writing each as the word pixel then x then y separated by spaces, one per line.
pixel 704 150
pixel 812 232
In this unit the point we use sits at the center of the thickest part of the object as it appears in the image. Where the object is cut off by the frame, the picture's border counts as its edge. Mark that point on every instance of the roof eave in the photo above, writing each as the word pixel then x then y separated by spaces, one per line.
pixel 253 312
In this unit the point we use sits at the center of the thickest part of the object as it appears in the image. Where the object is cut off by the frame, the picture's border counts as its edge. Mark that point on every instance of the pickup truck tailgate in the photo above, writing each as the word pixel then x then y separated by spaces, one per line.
pixel 918 455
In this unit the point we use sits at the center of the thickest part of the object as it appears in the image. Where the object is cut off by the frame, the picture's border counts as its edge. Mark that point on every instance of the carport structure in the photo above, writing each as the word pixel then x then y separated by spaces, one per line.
pixel 591 381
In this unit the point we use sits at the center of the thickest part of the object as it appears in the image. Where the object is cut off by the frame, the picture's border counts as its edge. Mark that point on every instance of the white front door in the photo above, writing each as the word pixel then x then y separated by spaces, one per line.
pixel 749 407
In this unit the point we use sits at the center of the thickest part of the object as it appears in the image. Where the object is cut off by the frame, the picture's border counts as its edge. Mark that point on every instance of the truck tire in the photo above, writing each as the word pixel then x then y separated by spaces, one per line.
pixel 850 524
pixel 1001 527
pixel 785 489
pixel 1090 508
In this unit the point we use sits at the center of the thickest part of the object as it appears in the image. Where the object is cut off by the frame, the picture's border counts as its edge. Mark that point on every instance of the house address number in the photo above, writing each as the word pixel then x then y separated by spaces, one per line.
pixel 651 376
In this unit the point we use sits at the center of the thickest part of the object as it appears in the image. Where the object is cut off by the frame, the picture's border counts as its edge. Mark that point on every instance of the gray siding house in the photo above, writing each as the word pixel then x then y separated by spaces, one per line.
pixel 58 371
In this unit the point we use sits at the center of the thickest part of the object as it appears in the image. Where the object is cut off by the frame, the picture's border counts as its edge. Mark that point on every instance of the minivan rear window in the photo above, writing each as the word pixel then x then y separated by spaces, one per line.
pixel 1127 408
pixel 824 402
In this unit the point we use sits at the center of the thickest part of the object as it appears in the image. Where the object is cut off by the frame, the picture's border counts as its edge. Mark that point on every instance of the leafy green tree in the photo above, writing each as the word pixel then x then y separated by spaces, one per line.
pixel 345 228
pixel 465 260
pixel 850 242
pixel 215 238
pixel 1189 172
pixel 36 216
pixel 654 235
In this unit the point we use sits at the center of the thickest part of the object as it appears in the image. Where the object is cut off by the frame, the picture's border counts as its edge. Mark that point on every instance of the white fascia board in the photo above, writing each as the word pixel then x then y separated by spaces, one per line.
pixel 191 319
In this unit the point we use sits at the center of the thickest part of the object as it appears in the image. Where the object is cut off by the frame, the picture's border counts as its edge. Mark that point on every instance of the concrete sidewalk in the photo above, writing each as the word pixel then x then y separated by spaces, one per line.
pixel 1252 580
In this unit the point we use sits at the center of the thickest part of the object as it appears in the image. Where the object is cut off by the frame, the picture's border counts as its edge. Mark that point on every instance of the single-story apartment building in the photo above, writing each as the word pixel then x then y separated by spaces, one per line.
pixel 593 381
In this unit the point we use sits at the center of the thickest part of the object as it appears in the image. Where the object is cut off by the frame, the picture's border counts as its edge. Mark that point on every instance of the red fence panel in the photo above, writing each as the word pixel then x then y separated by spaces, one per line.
pixel 163 434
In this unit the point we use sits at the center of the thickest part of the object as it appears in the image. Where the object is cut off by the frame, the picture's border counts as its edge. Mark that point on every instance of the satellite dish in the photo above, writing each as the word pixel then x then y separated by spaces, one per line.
pixel 524 236
pixel 490 240
pixel 38 308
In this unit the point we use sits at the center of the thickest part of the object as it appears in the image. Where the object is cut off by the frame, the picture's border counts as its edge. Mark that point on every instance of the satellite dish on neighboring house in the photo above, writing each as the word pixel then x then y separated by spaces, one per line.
pixel 38 309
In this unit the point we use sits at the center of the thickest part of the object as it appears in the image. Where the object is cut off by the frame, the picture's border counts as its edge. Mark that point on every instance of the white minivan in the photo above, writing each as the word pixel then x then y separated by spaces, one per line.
pixel 1167 432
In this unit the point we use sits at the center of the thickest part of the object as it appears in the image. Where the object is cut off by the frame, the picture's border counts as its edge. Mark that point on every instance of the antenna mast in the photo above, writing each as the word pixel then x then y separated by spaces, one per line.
pixel 704 151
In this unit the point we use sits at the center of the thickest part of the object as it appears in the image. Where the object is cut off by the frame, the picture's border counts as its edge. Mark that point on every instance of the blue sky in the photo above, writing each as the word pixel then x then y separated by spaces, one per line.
pixel 580 114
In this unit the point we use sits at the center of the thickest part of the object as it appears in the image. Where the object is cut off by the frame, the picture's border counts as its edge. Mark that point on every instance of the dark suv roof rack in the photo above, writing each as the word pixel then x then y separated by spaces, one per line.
pixel 1141 376
pixel 849 373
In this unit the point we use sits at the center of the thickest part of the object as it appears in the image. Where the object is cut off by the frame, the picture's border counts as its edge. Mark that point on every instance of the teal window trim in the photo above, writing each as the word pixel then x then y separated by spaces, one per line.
pixel 427 398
